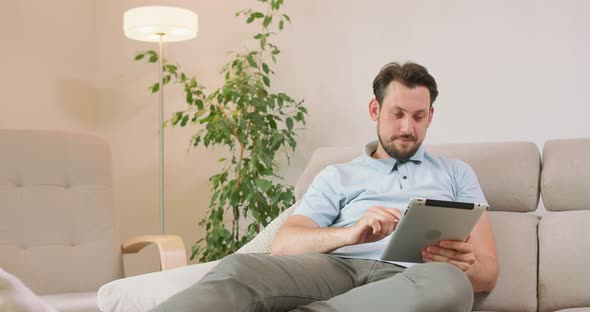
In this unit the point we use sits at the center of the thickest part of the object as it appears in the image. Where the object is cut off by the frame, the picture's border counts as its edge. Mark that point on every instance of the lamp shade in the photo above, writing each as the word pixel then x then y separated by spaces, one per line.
pixel 149 22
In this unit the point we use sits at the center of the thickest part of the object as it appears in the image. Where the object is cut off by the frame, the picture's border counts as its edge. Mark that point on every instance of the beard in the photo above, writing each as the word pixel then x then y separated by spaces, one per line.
pixel 392 150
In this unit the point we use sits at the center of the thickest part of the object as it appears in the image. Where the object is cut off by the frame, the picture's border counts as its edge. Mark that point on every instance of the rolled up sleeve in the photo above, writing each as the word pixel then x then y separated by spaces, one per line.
pixel 323 199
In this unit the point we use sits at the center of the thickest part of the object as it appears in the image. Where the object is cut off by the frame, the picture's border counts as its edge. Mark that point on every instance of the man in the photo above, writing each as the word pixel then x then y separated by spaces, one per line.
pixel 326 255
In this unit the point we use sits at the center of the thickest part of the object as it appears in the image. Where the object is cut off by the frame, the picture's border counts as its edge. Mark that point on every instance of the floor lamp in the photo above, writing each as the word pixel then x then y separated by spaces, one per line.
pixel 160 24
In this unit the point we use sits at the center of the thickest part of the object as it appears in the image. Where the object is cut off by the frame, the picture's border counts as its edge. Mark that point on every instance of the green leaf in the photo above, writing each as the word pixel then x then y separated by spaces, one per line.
pixel 266 80
pixel 155 87
pixel 289 121
pixel 176 117
pixel 267 21
pixel 281 25
pixel 184 121
pixel 299 116
pixel 265 68
pixel 287 18
pixel 153 58
pixel 139 56
pixel 275 51
pixel 251 61
pixel 258 15
pixel 250 19
pixel 200 104
pixel 263 43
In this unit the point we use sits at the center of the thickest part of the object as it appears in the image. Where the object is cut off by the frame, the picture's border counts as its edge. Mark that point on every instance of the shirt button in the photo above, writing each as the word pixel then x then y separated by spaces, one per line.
pixel 405 177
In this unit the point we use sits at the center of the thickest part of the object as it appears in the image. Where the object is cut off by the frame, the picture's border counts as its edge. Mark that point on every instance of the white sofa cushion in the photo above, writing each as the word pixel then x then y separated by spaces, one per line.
pixel 144 292
pixel 73 302
pixel 564 255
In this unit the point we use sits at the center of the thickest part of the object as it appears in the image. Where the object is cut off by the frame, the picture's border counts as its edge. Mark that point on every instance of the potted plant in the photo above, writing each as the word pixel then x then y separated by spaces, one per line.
pixel 256 125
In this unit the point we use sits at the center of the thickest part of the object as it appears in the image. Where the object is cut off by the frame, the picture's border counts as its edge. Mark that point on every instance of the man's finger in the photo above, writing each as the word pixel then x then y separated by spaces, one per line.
pixel 451 254
pixel 457 245
pixel 388 212
pixel 394 212
pixel 447 253
pixel 375 225
pixel 436 258
pixel 388 228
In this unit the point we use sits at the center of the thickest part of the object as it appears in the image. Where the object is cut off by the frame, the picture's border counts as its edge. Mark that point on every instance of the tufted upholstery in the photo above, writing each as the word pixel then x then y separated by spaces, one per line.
pixel 57 230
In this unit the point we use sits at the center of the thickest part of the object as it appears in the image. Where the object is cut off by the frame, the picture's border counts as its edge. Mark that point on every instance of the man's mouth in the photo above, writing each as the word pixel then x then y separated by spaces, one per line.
pixel 405 140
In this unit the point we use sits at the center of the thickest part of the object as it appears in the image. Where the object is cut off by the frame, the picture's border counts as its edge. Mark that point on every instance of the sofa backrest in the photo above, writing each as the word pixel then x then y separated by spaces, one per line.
pixel 57 230
pixel 508 172
pixel 564 235
pixel 565 183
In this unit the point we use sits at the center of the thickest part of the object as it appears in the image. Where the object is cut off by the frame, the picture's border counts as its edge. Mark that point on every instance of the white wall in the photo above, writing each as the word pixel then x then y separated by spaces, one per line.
pixel 507 70
pixel 47 59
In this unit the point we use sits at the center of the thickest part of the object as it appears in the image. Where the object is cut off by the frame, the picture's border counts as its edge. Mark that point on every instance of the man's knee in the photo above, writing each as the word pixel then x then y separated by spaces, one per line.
pixel 441 287
pixel 240 267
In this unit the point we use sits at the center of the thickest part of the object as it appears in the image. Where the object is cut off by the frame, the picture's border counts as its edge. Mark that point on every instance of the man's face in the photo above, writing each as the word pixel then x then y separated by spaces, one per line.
pixel 402 120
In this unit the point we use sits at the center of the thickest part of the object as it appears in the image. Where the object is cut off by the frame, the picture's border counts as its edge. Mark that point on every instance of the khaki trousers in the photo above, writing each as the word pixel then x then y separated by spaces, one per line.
pixel 323 282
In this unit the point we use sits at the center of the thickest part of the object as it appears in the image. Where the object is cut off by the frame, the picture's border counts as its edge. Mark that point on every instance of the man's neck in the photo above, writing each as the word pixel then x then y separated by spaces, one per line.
pixel 380 153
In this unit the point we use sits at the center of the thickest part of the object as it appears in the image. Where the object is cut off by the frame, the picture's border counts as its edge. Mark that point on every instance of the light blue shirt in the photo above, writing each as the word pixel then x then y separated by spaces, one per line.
pixel 340 194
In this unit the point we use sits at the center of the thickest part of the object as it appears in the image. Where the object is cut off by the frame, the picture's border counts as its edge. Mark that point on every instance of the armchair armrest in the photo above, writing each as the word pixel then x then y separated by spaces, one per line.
pixel 171 248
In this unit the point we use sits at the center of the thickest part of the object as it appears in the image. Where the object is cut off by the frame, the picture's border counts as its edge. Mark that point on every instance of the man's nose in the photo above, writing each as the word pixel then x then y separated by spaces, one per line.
pixel 407 126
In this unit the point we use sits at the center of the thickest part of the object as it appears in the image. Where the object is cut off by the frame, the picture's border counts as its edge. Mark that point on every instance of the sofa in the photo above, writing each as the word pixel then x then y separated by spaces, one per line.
pixel 543 256
pixel 58 233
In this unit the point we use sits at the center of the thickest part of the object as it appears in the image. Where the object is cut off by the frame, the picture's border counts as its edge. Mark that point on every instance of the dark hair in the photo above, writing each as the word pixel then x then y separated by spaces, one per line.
pixel 408 74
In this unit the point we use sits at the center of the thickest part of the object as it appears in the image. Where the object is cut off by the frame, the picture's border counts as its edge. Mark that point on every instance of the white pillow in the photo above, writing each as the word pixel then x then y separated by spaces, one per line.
pixel 16 297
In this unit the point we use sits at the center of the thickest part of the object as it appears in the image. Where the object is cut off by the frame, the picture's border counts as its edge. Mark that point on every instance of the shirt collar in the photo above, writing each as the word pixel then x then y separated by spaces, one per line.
pixel 386 165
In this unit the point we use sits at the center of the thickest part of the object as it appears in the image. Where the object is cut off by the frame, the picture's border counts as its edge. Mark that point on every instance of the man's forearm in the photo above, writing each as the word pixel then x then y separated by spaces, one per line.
pixel 483 274
pixel 296 240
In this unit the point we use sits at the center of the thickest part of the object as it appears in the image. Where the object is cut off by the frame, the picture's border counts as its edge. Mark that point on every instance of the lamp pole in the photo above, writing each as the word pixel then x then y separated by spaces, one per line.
pixel 161 129
pixel 151 24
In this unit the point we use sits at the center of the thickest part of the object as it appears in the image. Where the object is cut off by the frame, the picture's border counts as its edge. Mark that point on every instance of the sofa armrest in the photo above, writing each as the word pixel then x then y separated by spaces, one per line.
pixel 171 248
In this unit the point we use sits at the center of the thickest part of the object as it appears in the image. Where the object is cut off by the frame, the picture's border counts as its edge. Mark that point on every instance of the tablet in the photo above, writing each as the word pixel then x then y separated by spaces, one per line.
pixel 428 221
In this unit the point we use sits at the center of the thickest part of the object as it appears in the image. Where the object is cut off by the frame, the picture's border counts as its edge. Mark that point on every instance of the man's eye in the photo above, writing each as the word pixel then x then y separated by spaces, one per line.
pixel 419 118
pixel 398 115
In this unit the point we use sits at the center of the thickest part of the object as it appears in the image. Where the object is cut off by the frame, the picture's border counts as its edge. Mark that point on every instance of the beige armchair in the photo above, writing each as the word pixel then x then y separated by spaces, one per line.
pixel 57 227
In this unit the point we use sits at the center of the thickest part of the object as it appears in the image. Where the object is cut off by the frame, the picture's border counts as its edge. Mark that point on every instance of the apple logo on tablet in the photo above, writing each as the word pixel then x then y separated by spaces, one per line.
pixel 433 235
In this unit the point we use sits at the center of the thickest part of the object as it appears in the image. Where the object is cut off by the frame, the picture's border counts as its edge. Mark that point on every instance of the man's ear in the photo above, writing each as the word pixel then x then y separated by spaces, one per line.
pixel 430 116
pixel 374 109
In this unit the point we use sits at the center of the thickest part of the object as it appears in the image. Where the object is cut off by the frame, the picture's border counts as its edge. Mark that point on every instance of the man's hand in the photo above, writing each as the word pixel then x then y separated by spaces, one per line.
pixel 457 253
pixel 376 224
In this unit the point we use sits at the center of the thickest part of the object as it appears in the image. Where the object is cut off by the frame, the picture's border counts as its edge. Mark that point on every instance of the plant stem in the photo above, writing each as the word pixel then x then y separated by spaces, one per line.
pixel 236 210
